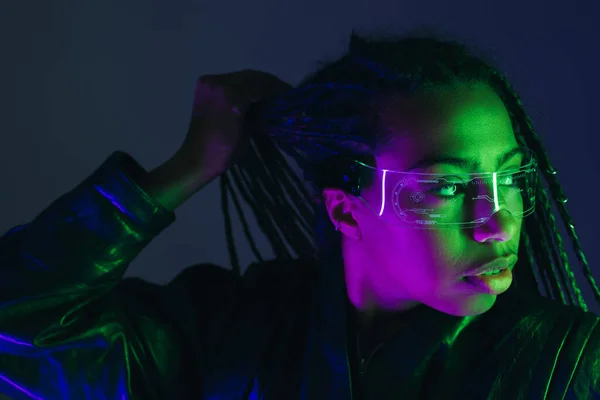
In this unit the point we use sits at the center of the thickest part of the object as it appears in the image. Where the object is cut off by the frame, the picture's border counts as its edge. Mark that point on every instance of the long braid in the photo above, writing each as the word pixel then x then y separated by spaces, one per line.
pixel 534 141
pixel 531 271
pixel 284 225
pixel 558 253
pixel 243 220
pixel 258 205
pixel 539 246
pixel 278 200
pixel 235 263
pixel 549 256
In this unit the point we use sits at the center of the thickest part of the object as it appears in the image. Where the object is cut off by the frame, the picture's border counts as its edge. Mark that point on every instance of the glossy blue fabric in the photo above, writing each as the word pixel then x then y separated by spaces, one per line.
pixel 72 328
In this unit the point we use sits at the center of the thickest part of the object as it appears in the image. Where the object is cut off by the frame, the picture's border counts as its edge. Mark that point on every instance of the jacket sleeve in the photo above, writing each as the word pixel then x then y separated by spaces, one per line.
pixel 61 328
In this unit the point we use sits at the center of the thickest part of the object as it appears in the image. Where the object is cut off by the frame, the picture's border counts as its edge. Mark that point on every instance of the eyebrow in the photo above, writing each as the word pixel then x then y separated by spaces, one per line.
pixel 464 163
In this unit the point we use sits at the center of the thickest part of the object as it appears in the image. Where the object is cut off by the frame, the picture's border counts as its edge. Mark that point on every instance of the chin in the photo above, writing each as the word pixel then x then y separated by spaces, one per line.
pixel 467 307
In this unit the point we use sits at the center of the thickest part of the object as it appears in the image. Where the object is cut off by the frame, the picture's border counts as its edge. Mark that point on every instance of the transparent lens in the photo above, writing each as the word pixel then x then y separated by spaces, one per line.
pixel 435 200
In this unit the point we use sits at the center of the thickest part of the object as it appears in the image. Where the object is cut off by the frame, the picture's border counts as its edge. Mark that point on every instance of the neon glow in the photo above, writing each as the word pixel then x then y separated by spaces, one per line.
pixel 495 183
pixel 382 192
pixel 20 388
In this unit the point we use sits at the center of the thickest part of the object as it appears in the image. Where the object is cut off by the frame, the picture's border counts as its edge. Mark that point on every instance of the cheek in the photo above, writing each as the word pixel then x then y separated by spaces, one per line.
pixel 431 246
pixel 422 257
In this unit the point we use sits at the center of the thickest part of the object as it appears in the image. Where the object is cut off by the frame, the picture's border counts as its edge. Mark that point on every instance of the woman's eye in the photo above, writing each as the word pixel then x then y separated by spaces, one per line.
pixel 507 181
pixel 447 190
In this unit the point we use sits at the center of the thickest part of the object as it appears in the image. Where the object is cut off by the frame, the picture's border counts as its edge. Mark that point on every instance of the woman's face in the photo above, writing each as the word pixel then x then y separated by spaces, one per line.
pixel 391 267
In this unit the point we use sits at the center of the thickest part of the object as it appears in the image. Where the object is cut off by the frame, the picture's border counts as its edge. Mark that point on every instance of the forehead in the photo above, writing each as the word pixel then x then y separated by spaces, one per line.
pixel 468 121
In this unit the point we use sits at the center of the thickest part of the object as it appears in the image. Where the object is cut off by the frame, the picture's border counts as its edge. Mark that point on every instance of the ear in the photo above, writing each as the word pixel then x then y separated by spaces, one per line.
pixel 341 213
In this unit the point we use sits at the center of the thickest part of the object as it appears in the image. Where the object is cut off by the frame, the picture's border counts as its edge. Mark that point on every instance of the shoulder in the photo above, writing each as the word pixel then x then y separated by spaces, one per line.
pixel 212 280
pixel 264 274
pixel 570 351
pixel 280 276
pixel 210 290
pixel 203 299
pixel 559 343
pixel 553 325
pixel 541 316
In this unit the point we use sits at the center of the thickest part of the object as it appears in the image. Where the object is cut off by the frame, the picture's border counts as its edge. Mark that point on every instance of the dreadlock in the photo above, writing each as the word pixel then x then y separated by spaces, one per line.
pixel 331 116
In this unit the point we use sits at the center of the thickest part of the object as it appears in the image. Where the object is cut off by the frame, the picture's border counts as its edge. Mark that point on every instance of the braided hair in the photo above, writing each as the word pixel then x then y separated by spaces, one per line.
pixel 331 116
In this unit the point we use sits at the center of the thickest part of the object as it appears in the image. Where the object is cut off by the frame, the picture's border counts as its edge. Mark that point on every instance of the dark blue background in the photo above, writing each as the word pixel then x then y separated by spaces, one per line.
pixel 80 79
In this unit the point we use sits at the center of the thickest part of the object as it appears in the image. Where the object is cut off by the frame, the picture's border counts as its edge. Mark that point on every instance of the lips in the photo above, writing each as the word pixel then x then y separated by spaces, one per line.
pixel 498 264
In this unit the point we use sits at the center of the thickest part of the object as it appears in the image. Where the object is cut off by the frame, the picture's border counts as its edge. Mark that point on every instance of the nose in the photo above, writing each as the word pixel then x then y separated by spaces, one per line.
pixel 500 227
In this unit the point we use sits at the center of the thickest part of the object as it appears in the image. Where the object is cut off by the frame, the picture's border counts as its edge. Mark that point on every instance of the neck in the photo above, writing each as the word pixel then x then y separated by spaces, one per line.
pixel 366 286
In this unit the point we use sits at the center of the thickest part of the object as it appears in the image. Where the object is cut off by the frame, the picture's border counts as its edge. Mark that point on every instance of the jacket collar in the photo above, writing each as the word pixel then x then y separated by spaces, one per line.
pixel 326 372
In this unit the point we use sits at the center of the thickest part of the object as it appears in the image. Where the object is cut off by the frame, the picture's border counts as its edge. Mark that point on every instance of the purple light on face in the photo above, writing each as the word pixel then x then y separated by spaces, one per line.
pixel 382 193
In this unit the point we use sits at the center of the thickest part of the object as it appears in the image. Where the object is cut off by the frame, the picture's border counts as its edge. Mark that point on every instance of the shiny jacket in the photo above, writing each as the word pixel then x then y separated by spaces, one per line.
pixel 72 328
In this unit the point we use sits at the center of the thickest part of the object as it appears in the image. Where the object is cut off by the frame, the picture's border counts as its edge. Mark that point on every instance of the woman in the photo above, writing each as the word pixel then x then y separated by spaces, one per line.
pixel 429 179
